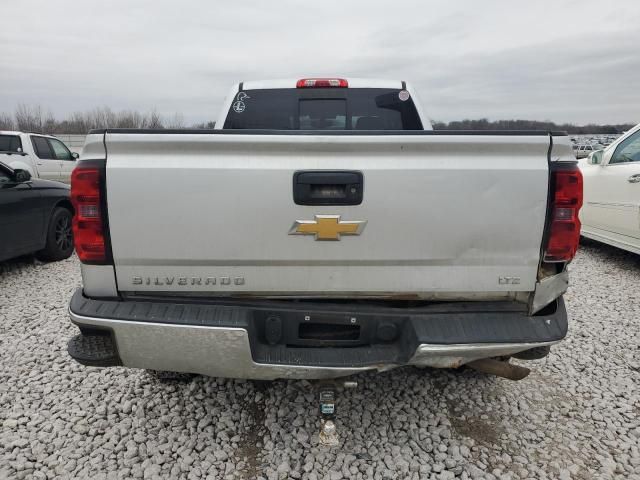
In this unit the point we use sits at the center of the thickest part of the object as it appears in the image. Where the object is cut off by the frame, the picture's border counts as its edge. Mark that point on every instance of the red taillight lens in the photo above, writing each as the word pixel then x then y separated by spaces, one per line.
pixel 88 234
pixel 322 83
pixel 564 229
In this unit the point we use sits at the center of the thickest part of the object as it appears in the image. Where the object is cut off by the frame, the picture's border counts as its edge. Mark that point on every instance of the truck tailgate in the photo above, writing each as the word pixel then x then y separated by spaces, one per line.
pixel 446 215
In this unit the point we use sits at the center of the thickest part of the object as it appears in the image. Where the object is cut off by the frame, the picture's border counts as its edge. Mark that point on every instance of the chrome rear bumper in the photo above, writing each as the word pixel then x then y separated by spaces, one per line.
pixel 226 351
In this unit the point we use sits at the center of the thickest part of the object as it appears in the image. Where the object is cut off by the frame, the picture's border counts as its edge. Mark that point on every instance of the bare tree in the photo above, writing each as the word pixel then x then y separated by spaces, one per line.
pixel 210 124
pixel 125 119
pixel 6 122
pixel 176 121
pixel 153 120
pixel 29 118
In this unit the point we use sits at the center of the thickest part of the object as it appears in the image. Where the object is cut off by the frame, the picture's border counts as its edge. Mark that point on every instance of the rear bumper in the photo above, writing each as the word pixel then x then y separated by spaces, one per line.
pixel 269 340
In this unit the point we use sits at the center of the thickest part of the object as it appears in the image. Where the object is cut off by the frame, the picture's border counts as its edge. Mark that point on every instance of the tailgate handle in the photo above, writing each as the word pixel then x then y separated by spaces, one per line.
pixel 324 187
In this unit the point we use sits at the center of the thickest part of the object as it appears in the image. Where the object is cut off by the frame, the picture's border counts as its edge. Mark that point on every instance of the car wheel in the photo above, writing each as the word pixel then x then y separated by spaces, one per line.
pixel 59 237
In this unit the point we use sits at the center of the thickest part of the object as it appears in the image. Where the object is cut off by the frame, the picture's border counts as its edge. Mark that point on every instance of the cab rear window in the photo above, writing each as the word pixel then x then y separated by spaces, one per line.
pixel 323 109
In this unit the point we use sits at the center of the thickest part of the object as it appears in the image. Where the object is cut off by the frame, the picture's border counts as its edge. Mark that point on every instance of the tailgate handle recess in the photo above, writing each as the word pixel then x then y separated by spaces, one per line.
pixel 323 187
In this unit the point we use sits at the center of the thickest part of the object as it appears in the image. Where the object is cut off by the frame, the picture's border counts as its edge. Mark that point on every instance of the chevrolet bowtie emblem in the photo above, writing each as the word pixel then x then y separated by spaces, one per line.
pixel 327 227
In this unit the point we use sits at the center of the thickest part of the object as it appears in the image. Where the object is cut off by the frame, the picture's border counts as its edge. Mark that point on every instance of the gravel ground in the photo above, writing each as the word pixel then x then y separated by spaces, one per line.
pixel 576 416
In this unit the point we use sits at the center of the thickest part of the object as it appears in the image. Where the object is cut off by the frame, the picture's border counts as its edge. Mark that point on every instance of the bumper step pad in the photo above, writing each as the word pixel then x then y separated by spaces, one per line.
pixel 94 350
pixel 240 328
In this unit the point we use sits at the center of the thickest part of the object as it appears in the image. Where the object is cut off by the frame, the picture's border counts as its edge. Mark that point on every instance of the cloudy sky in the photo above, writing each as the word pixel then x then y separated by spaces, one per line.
pixel 567 61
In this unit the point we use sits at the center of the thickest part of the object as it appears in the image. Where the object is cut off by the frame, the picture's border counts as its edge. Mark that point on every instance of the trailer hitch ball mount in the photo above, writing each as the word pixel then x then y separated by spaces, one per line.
pixel 327 396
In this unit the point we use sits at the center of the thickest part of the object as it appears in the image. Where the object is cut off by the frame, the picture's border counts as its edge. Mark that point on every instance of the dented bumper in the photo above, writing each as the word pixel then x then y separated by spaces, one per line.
pixel 279 339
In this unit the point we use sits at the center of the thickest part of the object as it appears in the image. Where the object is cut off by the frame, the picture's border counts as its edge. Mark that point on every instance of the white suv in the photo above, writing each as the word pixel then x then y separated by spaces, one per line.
pixel 43 156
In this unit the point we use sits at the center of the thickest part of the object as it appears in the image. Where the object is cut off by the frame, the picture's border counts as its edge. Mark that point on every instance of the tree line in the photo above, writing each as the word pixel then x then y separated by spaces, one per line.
pixel 34 118
pixel 485 124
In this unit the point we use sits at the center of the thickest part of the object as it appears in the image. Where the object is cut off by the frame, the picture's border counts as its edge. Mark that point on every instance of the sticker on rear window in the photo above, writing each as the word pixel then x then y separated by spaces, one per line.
pixel 403 95
pixel 239 106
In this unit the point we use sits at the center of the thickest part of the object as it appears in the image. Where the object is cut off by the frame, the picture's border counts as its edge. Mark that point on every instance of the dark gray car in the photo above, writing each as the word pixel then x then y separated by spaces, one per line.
pixel 35 216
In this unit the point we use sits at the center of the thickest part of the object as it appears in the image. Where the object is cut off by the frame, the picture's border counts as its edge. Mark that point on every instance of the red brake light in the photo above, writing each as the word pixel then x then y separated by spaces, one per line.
pixel 322 83
pixel 564 229
pixel 88 234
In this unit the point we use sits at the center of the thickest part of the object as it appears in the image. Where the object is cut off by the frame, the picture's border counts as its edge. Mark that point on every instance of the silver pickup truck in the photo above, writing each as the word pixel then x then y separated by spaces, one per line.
pixel 321 229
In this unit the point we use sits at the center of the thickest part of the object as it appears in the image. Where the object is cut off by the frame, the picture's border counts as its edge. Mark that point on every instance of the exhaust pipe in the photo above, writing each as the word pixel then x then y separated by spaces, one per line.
pixel 499 368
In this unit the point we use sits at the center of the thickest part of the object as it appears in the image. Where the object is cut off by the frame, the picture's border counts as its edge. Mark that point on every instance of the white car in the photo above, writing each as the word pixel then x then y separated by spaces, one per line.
pixel 583 151
pixel 43 156
pixel 611 210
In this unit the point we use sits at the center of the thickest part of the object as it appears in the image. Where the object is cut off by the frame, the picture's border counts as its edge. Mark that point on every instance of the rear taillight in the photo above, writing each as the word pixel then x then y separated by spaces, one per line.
pixel 322 83
pixel 566 200
pixel 88 224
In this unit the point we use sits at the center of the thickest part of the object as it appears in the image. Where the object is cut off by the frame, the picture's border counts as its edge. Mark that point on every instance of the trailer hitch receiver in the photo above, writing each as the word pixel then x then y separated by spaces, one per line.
pixel 327 395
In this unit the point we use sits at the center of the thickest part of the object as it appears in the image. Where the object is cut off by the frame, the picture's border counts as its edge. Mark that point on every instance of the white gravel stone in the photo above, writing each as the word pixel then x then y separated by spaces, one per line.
pixel 576 416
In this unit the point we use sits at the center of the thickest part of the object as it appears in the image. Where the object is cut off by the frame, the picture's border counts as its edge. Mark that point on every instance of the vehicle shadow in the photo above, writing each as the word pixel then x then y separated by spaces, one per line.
pixel 18 264
pixel 615 257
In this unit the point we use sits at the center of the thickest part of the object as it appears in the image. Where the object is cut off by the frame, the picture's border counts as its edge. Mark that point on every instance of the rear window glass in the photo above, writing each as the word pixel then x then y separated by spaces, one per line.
pixel 322 114
pixel 323 109
pixel 10 143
